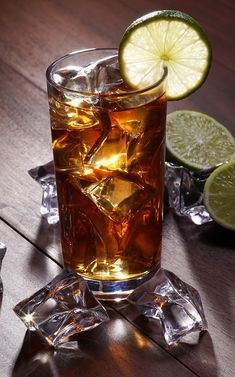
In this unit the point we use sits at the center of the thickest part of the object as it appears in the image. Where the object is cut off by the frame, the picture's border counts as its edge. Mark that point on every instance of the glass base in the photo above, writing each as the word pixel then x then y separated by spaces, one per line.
pixel 118 290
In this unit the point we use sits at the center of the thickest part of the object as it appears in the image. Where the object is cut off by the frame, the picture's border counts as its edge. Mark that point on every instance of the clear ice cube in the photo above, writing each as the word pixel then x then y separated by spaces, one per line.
pixel 184 196
pixel 119 195
pixel 96 77
pixel 103 74
pixel 45 176
pixel 61 309
pixel 132 127
pixel 175 304
pixel 96 148
pixel 66 77
pixel 49 204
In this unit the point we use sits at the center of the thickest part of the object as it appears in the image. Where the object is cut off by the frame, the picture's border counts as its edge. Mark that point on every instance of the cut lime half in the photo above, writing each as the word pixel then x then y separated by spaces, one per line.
pixel 165 38
pixel 197 141
pixel 219 195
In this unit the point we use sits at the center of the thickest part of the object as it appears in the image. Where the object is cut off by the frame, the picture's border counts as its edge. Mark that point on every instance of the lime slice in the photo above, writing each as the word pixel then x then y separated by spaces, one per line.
pixel 219 195
pixel 165 38
pixel 197 141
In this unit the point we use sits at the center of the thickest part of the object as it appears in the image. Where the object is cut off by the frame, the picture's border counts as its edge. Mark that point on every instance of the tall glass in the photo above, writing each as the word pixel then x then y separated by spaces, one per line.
pixel 109 149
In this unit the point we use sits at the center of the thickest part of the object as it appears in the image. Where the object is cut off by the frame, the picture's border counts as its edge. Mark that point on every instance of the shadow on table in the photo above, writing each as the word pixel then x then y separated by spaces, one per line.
pixel 96 352
pixel 48 235
pixel 200 358
pixel 210 257
pixel 1 300
pixel 37 358
pixel 48 241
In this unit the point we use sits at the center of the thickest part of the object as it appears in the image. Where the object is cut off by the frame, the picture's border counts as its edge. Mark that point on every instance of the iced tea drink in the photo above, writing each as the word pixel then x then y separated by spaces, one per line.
pixel 108 146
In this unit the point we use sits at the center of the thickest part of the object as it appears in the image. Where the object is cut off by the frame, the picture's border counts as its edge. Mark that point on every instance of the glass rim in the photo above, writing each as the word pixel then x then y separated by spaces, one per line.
pixel 110 94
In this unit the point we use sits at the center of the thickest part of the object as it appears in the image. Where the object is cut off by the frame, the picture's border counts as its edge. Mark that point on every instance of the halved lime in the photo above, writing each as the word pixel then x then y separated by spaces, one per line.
pixel 219 195
pixel 197 141
pixel 165 38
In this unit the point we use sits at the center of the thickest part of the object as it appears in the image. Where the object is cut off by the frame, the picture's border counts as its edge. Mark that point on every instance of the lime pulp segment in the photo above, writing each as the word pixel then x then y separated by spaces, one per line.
pixel 165 38
pixel 197 141
pixel 219 195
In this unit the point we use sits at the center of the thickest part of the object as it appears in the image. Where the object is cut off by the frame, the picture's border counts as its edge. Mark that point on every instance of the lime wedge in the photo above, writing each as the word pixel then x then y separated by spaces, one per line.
pixel 165 38
pixel 219 195
pixel 197 141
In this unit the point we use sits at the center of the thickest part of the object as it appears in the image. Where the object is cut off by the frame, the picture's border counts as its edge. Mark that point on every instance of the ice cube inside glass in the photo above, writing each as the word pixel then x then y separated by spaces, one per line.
pixel 109 146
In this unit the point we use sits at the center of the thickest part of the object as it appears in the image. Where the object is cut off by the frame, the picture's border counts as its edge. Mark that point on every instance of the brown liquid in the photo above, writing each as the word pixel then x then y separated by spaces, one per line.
pixel 109 171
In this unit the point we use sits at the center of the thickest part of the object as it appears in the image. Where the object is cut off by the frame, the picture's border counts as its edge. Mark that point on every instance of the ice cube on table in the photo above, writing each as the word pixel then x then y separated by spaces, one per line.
pixel 49 204
pixel 175 304
pixel 45 176
pixel 62 308
pixel 184 196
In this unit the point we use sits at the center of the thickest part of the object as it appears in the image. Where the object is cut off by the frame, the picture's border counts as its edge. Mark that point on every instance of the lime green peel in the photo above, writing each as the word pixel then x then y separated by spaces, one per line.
pixel 165 38
pixel 197 141
pixel 219 195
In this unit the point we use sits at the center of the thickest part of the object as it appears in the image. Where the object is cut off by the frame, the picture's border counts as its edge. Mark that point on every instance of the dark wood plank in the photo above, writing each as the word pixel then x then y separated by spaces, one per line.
pixel 115 349
pixel 52 26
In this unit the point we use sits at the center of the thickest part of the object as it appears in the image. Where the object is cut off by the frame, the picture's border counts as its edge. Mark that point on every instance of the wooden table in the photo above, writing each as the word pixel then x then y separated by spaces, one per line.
pixel 32 35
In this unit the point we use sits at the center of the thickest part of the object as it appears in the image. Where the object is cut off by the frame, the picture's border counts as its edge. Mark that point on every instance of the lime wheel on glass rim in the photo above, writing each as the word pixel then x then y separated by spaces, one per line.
pixel 165 38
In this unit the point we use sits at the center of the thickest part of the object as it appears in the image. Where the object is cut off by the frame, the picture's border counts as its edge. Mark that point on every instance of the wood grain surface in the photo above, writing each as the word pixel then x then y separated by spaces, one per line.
pixel 32 35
